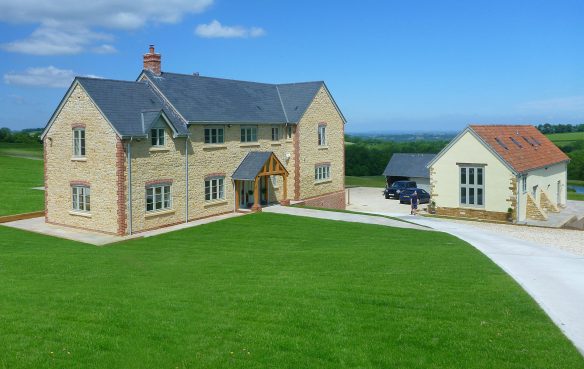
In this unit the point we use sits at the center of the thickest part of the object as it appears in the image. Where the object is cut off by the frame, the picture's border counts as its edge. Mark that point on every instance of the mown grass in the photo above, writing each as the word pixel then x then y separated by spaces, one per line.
pixel 563 139
pixel 268 291
pixel 575 196
pixel 34 151
pixel 17 178
pixel 367 181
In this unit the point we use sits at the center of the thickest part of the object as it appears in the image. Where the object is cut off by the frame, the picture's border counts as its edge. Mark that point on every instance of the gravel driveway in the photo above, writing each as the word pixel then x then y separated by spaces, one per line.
pixel 367 199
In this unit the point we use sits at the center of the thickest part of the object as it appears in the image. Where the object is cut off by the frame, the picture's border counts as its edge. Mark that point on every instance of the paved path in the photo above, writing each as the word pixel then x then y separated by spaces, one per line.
pixel 554 278
pixel 38 225
pixel 345 217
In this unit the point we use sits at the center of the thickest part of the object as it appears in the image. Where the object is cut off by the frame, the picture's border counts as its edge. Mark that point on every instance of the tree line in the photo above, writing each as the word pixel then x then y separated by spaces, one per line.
pixel 27 136
pixel 369 157
pixel 560 128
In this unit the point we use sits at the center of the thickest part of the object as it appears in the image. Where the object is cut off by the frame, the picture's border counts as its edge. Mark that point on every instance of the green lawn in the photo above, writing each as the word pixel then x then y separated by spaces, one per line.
pixel 23 150
pixel 575 196
pixel 268 291
pixel 370 181
pixel 575 182
pixel 563 139
pixel 18 176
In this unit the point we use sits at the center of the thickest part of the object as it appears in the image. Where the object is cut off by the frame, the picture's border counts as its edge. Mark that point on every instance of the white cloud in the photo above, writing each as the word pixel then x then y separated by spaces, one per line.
pixel 47 40
pixel 67 26
pixel 559 105
pixel 42 76
pixel 216 30
pixel 104 49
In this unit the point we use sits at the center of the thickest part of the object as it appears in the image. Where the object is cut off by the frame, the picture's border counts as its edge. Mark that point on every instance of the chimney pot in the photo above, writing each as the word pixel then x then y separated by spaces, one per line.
pixel 152 61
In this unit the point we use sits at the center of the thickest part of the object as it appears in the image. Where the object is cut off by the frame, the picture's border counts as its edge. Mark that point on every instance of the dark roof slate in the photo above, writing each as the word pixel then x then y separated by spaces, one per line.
pixel 208 100
pixel 409 165
pixel 251 165
pixel 126 103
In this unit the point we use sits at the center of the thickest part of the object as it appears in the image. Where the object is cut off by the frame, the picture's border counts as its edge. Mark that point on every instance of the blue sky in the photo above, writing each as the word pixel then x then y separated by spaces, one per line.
pixel 391 65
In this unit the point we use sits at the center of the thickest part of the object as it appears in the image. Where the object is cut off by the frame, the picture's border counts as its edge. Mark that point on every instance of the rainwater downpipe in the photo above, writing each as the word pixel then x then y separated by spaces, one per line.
pixel 187 179
pixel 130 186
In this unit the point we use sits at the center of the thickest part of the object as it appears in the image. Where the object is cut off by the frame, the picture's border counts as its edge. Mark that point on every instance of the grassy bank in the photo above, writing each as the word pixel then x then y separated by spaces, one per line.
pixel 18 177
pixel 249 293
pixel 368 181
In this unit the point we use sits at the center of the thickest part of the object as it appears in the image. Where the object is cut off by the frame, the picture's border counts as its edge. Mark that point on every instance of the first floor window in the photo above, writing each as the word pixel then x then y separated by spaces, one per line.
pixel 275 133
pixel 524 183
pixel 322 172
pixel 214 189
pixel 289 132
pixel 322 135
pixel 158 198
pixel 249 134
pixel 157 136
pixel 214 135
pixel 81 198
pixel 472 185
pixel 79 142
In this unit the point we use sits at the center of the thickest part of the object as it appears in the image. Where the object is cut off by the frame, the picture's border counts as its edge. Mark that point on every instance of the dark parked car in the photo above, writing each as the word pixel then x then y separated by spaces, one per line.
pixel 405 196
pixel 397 187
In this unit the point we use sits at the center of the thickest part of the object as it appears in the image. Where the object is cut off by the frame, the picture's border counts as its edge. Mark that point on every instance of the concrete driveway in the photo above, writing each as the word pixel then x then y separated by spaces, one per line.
pixel 371 199
pixel 553 277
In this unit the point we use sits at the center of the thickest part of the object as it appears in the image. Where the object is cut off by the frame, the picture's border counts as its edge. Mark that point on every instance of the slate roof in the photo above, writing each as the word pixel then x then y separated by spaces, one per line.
pixel 208 100
pixel 523 147
pixel 251 165
pixel 129 106
pixel 408 165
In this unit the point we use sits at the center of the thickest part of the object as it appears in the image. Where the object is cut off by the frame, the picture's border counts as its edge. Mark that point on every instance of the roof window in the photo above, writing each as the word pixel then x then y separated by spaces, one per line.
pixel 536 141
pixel 516 142
pixel 500 142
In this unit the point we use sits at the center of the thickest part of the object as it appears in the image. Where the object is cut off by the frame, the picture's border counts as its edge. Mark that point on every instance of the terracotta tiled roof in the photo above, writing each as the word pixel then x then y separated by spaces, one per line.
pixel 523 147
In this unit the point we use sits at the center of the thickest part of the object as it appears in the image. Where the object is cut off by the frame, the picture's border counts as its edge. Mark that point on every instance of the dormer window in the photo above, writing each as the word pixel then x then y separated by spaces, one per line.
pixel 157 136
pixel 79 142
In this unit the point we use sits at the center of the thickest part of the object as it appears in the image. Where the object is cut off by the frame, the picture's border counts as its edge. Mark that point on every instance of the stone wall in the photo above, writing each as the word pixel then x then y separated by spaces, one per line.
pixel 334 200
pixel 98 168
pixel 321 111
pixel 533 211
pixel 546 203
pixel 472 213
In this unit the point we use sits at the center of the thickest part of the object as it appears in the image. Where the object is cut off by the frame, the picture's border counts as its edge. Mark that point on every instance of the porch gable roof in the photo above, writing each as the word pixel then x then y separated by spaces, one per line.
pixel 252 165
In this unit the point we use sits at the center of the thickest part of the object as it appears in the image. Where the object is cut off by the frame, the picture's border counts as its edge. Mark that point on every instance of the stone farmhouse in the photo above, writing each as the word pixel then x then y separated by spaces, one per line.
pixel 123 157
pixel 488 169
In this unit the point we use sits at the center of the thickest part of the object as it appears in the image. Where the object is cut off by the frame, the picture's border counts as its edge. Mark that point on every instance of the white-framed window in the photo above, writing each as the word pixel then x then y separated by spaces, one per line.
pixel 81 198
pixel 289 132
pixel 157 136
pixel 321 135
pixel 158 197
pixel 322 172
pixel 79 142
pixel 214 188
pixel 249 134
pixel 275 134
pixel 472 189
pixel 524 183
pixel 214 135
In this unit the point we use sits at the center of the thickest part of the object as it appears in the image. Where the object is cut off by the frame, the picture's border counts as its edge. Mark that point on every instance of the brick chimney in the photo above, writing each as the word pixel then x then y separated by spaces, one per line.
pixel 152 61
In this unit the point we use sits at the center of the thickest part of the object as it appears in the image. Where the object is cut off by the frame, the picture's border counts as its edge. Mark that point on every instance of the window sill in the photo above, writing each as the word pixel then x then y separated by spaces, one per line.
pixel 323 147
pixel 249 144
pixel 80 214
pixel 210 147
pixel 80 158
pixel 276 144
pixel 155 213
pixel 323 181
pixel 215 203
pixel 158 149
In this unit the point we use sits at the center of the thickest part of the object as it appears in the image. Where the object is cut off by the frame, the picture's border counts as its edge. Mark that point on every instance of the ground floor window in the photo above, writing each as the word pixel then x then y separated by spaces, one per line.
pixel 81 198
pixel 214 189
pixel 322 172
pixel 472 191
pixel 158 198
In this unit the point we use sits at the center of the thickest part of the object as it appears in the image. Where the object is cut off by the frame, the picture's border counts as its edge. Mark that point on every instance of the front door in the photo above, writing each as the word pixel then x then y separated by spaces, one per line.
pixel 246 194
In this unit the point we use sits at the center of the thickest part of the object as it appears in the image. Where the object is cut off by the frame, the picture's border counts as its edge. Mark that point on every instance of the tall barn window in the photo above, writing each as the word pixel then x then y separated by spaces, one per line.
pixel 472 189
pixel 79 142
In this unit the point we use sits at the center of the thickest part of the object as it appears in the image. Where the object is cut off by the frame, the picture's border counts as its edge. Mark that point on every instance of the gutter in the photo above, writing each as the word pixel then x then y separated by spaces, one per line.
pixel 130 186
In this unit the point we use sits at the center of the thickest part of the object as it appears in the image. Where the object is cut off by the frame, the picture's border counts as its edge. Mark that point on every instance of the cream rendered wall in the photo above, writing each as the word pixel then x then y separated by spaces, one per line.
pixel 208 159
pixel 321 110
pixel 546 179
pixel 98 167
pixel 445 174
pixel 151 163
